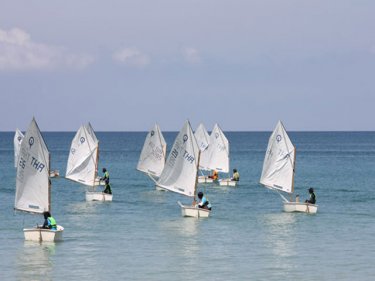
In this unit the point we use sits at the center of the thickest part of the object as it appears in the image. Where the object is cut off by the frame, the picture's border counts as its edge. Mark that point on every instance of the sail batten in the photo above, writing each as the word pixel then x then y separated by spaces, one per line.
pixel 152 157
pixel 180 172
pixel 32 182
pixel 83 156
pixel 279 161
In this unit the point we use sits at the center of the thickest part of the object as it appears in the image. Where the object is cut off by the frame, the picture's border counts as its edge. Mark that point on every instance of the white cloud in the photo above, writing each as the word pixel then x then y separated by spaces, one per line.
pixel 19 52
pixel 131 57
pixel 191 55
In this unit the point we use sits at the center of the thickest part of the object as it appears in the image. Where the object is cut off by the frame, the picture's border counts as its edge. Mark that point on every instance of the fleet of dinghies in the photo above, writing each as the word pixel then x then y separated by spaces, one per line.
pixel 82 166
pixel 178 173
pixel 33 186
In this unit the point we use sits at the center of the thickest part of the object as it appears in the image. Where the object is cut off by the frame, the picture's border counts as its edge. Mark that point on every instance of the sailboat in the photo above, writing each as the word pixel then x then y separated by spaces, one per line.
pixel 33 187
pixel 152 158
pixel 279 168
pixel 203 140
pixel 18 137
pixel 217 155
pixel 180 173
pixel 82 166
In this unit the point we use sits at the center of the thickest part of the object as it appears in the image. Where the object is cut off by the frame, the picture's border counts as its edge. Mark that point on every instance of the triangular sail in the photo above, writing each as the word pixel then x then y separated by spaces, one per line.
pixel 32 182
pixel 279 161
pixel 216 157
pixel 152 158
pixel 203 139
pixel 180 171
pixel 83 156
pixel 18 137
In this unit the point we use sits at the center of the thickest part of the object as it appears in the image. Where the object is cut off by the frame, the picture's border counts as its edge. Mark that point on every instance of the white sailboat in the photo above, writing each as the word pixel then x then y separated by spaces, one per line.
pixel 33 187
pixel 82 166
pixel 180 173
pixel 217 155
pixel 279 167
pixel 18 137
pixel 203 140
pixel 152 158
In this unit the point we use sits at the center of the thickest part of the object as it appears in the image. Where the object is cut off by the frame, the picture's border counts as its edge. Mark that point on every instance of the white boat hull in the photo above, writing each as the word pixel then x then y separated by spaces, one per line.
pixel 227 182
pixel 290 207
pixel 43 235
pixel 98 196
pixel 191 211
pixel 204 179
pixel 53 174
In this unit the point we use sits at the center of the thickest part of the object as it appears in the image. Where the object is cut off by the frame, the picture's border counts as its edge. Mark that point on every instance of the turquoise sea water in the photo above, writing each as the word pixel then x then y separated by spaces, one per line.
pixel 142 236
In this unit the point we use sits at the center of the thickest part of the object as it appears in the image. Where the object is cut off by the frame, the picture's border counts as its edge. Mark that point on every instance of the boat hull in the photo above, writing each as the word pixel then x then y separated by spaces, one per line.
pixel 98 196
pixel 43 235
pixel 204 179
pixel 227 182
pixel 290 207
pixel 191 211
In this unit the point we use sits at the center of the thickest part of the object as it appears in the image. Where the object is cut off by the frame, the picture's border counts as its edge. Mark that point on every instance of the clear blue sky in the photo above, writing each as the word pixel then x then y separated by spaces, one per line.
pixel 123 65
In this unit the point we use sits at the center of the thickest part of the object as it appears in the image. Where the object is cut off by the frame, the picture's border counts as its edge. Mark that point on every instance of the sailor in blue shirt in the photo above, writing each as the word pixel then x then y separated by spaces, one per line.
pixel 203 202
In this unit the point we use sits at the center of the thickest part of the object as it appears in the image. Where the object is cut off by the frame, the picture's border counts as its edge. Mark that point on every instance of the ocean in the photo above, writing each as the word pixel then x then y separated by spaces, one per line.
pixel 141 235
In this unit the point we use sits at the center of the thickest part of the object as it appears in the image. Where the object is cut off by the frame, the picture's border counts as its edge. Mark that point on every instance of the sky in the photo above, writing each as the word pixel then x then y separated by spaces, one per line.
pixel 244 64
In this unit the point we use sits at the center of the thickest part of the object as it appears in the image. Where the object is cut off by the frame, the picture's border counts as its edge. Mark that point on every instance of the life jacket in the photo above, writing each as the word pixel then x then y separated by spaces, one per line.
pixel 52 223
pixel 215 175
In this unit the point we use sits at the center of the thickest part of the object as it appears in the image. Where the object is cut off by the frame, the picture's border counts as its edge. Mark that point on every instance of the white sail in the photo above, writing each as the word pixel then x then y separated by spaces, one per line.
pixel 180 171
pixel 83 157
pixel 32 182
pixel 216 157
pixel 18 137
pixel 91 132
pixel 279 161
pixel 152 158
pixel 203 139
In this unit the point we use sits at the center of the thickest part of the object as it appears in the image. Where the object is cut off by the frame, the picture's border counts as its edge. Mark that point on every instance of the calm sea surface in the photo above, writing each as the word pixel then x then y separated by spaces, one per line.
pixel 141 235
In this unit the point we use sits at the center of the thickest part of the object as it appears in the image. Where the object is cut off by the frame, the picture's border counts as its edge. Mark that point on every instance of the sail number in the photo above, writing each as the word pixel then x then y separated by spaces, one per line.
pixel 187 156
pixel 35 163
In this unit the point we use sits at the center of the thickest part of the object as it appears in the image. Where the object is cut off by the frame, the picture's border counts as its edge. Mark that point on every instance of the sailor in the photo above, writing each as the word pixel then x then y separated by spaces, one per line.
pixel 214 175
pixel 312 199
pixel 236 175
pixel 105 178
pixel 49 221
pixel 203 202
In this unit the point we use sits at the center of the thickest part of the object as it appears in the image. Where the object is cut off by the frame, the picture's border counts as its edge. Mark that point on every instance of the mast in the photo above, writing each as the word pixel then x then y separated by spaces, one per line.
pixel 196 178
pixel 294 167
pixel 49 183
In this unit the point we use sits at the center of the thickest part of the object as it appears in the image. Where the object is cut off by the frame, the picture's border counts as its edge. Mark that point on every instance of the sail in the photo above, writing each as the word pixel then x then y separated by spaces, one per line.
pixel 83 157
pixel 18 137
pixel 279 161
pixel 180 171
pixel 32 182
pixel 91 132
pixel 152 158
pixel 217 155
pixel 202 137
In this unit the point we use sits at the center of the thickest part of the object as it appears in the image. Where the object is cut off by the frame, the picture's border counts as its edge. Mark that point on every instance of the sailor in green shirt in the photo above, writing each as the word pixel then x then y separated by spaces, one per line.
pixel 49 221
pixel 105 178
